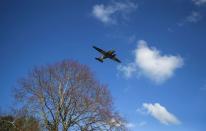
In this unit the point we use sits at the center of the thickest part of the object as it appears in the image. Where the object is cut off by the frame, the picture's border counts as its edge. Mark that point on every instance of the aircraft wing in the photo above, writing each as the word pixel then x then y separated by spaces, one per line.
pixel 100 50
pixel 116 59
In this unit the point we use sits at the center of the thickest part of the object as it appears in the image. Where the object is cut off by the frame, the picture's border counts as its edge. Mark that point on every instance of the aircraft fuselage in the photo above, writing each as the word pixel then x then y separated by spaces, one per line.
pixel 109 54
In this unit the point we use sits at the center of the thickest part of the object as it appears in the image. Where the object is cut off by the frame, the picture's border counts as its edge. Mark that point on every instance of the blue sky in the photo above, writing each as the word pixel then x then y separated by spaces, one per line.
pixel 161 83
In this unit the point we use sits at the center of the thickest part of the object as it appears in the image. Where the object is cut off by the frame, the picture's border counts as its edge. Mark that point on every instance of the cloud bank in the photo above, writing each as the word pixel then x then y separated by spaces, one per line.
pixel 160 113
pixel 110 13
pixel 149 62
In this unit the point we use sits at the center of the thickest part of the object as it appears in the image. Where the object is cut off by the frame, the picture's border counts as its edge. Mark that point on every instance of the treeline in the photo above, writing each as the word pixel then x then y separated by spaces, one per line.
pixel 18 121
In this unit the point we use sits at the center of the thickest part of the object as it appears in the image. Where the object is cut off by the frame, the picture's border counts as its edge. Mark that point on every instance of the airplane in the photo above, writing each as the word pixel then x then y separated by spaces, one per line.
pixel 106 54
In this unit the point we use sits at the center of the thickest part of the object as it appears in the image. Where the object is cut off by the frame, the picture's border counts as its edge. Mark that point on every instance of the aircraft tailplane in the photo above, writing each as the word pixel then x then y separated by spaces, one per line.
pixel 99 59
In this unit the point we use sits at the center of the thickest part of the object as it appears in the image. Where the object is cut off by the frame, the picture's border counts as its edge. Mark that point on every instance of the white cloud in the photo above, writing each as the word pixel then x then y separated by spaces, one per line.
pixel 152 64
pixel 194 17
pixel 131 38
pixel 142 123
pixel 130 125
pixel 109 13
pixel 160 113
pixel 127 70
pixel 199 2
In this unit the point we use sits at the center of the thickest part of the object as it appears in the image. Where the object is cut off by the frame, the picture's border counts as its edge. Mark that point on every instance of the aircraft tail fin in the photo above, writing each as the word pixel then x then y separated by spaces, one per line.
pixel 100 60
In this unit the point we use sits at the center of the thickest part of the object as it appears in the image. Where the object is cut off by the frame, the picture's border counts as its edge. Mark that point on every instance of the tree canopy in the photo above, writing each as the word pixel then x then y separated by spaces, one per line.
pixel 66 96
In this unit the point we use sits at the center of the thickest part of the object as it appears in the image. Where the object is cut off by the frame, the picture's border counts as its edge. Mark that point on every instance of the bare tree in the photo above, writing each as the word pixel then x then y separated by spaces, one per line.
pixel 66 96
